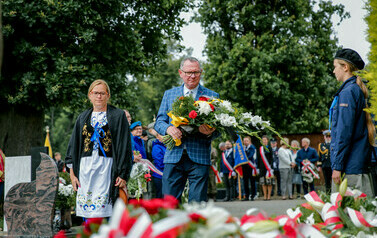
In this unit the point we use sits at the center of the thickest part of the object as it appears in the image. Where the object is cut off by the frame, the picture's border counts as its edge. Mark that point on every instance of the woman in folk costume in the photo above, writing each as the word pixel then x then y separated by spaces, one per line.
pixel 265 168
pixel 99 154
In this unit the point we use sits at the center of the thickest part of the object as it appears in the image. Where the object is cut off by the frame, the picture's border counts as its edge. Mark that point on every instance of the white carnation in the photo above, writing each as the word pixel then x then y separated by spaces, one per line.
pixel 204 108
pixel 226 120
pixel 227 105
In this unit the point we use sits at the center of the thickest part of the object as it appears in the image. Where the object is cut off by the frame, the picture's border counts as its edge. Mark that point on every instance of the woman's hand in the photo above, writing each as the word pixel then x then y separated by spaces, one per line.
pixel 120 182
pixel 74 180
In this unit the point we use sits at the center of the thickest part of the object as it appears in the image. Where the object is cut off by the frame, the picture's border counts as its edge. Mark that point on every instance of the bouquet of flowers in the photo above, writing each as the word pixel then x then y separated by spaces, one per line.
pixel 163 218
pixel 188 114
pixel 137 184
pixel 348 212
pixel 309 171
pixel 66 197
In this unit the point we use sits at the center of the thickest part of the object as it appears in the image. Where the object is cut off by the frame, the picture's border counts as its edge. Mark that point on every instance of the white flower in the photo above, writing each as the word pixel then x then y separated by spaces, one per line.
pixel 61 180
pixel 204 108
pixel 227 105
pixel 226 120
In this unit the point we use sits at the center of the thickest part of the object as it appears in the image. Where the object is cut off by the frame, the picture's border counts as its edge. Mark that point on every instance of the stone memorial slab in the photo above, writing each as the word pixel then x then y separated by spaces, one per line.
pixel 29 207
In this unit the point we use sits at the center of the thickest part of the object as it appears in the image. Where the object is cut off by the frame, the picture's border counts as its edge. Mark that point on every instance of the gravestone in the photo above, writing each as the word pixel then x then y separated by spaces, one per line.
pixel 29 207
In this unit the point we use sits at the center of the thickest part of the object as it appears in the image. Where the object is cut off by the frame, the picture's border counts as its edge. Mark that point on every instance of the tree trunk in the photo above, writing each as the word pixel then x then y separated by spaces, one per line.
pixel 21 127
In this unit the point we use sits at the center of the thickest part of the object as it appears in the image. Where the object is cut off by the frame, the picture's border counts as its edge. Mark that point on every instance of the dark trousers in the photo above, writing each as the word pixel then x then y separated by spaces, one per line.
pixel 175 177
pixel 327 173
pixel 305 185
pixel 248 177
pixel 230 187
pixel 298 188
pixel 157 182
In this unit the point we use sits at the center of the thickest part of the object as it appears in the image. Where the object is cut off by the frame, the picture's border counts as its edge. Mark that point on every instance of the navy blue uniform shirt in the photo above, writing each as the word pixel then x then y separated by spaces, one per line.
pixel 349 149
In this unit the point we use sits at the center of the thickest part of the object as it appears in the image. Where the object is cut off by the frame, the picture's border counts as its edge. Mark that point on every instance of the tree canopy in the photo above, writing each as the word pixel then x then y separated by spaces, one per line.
pixel 274 58
pixel 371 71
pixel 55 49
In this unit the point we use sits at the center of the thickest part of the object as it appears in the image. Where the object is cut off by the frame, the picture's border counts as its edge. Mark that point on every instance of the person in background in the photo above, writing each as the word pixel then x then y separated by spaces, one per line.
pixel 247 170
pixel 137 143
pixel 286 165
pixel 352 129
pixel 212 189
pixel 297 180
pixel 265 168
pixel 99 154
pixel 152 136
pixel 324 162
pixel 58 161
pixel 158 153
pixel 306 154
pixel 227 172
pixel 275 166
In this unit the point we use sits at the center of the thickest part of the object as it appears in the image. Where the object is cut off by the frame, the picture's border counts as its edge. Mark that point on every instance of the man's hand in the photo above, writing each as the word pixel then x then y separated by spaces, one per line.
pixel 293 165
pixel 204 129
pixel 174 132
pixel 234 174
pixel 120 182
pixel 74 180
pixel 319 169
pixel 336 176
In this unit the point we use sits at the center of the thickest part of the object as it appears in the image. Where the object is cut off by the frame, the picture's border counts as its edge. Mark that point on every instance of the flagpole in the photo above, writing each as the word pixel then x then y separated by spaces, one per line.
pixel 239 187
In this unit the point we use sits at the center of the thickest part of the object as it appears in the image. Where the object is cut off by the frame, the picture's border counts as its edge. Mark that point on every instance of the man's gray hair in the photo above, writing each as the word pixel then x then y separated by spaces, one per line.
pixel 306 139
pixel 191 59
pixel 222 144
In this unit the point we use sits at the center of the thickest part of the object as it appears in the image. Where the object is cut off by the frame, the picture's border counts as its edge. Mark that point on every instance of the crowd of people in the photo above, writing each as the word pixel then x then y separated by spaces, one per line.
pixel 105 144
pixel 280 169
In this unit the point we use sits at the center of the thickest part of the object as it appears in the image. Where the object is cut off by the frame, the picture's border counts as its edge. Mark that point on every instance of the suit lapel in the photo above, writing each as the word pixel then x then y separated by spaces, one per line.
pixel 200 92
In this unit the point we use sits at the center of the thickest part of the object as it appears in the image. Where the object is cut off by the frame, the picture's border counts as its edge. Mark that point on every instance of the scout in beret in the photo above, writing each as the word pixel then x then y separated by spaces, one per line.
pixel 352 129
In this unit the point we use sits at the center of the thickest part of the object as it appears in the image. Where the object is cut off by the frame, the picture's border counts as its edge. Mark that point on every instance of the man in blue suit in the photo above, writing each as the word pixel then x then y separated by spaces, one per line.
pixel 192 158
pixel 306 153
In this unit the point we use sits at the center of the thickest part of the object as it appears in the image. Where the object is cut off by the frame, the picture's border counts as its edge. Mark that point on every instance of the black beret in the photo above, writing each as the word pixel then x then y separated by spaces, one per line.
pixel 350 56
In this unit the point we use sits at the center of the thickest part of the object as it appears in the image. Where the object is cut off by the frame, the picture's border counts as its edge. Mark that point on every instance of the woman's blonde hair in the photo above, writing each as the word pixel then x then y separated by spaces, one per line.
pixel 364 89
pixel 98 82
pixel 284 139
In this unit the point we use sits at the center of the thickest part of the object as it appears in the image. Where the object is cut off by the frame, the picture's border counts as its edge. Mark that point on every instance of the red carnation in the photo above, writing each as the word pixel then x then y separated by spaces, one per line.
pixel 193 114
pixel 203 99
pixel 195 217
pixel 147 177
pixel 181 97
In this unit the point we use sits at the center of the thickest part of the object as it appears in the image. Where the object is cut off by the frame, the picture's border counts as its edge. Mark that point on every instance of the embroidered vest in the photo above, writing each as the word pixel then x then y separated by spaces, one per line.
pixel 106 142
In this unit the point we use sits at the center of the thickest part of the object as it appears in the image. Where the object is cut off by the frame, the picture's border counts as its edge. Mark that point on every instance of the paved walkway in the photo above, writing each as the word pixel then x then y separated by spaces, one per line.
pixel 272 207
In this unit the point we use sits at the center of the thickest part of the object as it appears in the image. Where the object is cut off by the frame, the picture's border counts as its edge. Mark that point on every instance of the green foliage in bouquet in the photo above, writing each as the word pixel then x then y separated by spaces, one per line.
pixel 66 197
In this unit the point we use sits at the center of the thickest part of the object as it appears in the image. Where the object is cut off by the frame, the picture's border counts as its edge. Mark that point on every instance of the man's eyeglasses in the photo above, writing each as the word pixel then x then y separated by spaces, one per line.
pixel 99 93
pixel 328 136
pixel 197 73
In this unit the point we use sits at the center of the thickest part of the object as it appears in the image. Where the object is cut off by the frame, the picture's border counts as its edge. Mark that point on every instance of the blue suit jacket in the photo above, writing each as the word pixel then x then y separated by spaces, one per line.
pixel 310 154
pixel 198 149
